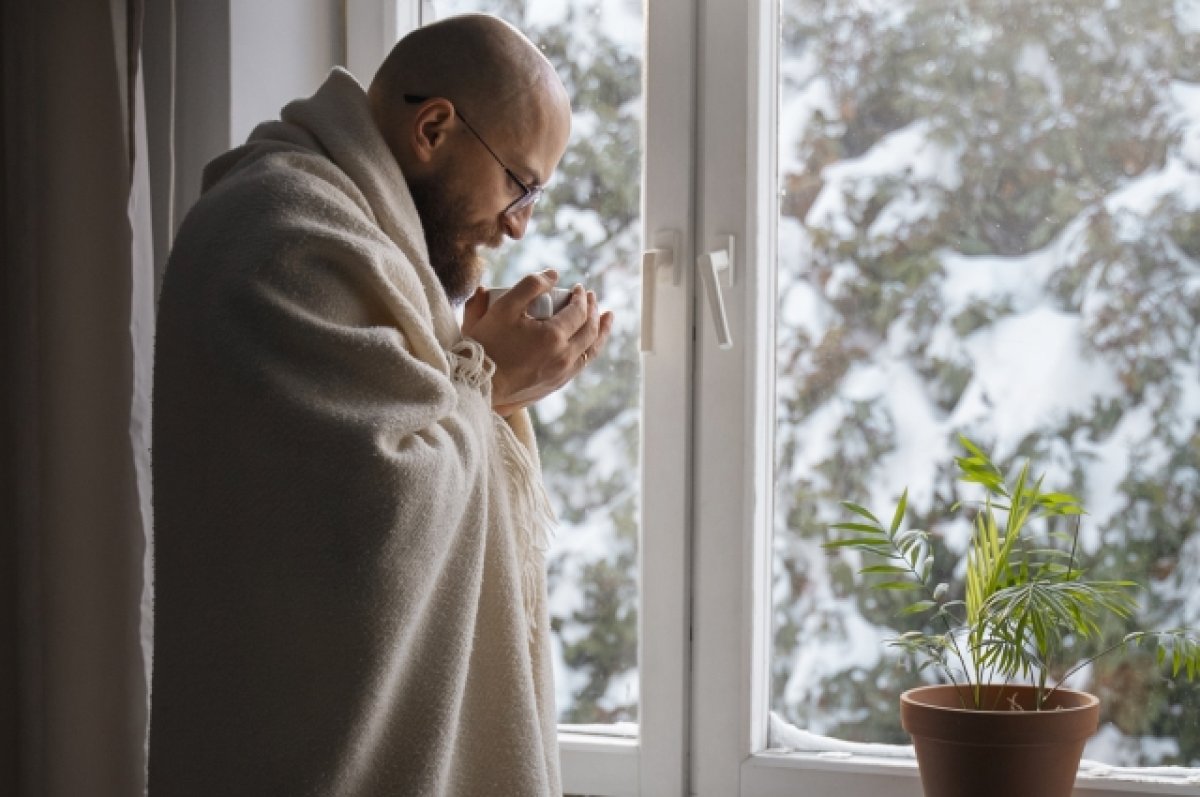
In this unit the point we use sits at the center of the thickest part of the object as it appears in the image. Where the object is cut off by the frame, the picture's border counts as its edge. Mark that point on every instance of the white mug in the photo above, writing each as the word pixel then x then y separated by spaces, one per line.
pixel 543 306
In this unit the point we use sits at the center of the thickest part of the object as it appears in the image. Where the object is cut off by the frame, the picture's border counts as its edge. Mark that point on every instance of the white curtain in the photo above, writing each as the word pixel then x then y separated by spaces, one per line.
pixel 77 306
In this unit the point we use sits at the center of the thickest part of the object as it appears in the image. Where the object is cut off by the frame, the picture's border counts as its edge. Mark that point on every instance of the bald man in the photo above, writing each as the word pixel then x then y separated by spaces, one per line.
pixel 349 514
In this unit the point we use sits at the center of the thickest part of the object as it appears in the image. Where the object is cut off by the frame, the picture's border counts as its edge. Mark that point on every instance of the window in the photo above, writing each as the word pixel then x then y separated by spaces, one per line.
pixel 986 226
pixel 910 196
pixel 588 227
pixel 618 484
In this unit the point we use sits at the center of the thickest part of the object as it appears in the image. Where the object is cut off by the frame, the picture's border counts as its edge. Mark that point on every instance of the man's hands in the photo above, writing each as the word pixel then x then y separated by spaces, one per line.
pixel 534 358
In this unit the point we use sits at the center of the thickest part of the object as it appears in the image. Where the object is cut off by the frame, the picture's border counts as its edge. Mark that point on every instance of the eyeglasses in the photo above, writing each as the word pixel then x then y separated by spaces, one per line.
pixel 529 194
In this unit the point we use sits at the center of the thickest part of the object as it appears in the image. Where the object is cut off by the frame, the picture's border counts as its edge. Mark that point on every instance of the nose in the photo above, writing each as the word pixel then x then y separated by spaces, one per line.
pixel 515 223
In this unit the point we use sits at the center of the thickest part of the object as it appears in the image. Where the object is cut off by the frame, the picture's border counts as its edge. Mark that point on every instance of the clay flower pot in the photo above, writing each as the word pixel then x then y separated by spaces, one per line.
pixel 1011 751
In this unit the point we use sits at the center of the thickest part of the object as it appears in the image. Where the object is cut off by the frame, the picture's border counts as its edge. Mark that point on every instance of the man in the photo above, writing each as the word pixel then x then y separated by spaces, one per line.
pixel 350 521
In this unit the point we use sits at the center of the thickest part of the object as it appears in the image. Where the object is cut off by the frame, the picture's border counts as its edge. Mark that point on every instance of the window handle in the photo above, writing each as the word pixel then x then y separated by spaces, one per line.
pixel 654 261
pixel 713 266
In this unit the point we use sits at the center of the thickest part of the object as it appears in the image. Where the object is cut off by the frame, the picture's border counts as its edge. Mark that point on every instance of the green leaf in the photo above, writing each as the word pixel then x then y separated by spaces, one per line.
pixel 898 515
pixel 892 569
pixel 861 510
pixel 917 608
pixel 971 447
pixel 898 585
pixel 853 541
pixel 859 527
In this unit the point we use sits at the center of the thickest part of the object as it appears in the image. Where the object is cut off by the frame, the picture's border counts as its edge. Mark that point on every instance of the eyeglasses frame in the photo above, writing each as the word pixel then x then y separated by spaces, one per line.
pixel 530 193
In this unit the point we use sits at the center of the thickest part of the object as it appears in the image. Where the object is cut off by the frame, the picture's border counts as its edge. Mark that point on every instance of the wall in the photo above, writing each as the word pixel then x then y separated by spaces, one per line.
pixel 235 64
pixel 280 50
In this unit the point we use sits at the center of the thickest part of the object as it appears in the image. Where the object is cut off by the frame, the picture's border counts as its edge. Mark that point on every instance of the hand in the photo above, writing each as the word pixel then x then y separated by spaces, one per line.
pixel 534 358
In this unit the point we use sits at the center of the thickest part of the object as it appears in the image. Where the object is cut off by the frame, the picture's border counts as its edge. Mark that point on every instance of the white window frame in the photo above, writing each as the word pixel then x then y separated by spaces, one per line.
pixel 705 551
pixel 733 412
pixel 654 763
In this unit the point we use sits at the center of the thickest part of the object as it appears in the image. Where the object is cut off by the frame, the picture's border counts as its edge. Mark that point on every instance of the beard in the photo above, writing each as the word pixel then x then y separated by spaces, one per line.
pixel 452 243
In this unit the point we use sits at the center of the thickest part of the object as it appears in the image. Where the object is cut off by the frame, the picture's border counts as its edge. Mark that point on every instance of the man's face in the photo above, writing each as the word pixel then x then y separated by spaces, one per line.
pixel 462 203
pixel 454 231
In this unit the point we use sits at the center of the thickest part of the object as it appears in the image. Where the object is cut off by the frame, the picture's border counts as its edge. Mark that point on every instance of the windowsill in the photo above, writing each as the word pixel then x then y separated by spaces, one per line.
pixel 598 760
pixel 771 770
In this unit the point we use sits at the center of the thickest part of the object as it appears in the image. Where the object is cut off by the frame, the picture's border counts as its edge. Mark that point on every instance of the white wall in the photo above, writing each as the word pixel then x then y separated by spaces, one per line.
pixel 279 50
pixel 235 63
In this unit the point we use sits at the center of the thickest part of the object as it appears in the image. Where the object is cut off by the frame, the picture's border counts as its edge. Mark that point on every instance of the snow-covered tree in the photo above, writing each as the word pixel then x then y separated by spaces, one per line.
pixel 989 227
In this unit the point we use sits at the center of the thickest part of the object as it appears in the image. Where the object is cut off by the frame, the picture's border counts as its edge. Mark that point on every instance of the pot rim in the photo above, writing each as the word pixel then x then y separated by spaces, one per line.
pixel 1086 700
pixel 947 721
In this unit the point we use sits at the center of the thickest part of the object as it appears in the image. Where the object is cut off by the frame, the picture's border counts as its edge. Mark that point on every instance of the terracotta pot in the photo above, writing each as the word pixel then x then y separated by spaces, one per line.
pixel 1012 751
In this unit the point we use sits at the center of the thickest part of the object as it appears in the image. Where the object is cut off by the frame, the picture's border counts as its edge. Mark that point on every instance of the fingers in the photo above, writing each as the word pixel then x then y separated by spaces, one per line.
pixel 592 336
pixel 585 332
pixel 533 358
pixel 606 325
pixel 528 288
pixel 475 307
pixel 605 329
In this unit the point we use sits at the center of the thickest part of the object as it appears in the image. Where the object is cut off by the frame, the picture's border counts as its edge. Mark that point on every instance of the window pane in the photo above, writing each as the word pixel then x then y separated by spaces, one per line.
pixel 989 226
pixel 588 227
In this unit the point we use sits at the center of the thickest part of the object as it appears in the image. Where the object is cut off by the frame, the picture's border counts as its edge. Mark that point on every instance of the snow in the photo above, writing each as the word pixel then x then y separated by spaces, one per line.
pixel 783 736
pixel 622 690
pixel 921 431
pixel 801 307
pixel 1036 62
pixel 1019 279
pixel 833 637
pixel 586 223
pixel 1186 97
pixel 1115 748
pixel 806 94
pixel 1187 15
pixel 627 730
pixel 834 632
pixel 908 153
pixel 551 408
pixel 605 451
pixel 817 432
pixel 1140 197
pixel 1036 373
pixel 1179 590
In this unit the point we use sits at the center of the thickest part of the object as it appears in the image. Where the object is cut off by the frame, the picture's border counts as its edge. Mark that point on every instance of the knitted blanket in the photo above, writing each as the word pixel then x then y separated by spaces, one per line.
pixel 349 543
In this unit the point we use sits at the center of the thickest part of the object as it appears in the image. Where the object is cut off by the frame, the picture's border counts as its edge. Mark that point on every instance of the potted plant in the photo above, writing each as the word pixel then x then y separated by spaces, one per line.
pixel 996 725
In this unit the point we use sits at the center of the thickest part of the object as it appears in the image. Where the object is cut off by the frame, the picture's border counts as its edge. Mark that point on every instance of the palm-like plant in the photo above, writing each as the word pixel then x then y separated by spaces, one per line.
pixel 1023 599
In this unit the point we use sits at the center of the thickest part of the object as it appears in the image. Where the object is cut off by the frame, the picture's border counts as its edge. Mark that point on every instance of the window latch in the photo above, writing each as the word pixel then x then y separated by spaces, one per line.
pixel 654 262
pixel 716 269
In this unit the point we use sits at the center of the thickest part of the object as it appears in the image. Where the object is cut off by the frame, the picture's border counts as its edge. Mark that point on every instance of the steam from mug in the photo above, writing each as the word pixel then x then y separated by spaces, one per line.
pixel 543 306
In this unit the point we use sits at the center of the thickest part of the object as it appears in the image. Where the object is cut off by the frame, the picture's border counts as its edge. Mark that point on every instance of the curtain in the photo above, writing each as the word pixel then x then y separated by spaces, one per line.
pixel 77 307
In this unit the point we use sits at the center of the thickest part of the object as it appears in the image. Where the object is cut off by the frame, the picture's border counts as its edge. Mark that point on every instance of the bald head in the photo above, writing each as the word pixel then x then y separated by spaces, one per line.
pixel 467 178
pixel 481 63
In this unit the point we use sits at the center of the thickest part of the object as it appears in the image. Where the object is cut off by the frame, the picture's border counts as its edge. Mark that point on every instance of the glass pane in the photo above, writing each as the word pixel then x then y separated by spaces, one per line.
pixel 588 227
pixel 989 225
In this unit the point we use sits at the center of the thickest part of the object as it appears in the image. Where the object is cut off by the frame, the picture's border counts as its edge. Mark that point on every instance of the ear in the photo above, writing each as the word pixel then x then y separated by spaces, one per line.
pixel 430 126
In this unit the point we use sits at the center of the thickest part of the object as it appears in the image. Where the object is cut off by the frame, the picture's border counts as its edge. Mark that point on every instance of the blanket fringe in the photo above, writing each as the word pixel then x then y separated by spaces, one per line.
pixel 470 364
pixel 533 517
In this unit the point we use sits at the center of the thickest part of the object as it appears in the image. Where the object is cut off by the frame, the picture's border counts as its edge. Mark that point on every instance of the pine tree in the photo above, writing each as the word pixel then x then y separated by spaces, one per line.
pixel 1038 116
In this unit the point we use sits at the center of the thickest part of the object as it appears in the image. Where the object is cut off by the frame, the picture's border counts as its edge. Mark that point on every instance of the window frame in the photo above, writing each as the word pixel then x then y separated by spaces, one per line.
pixel 654 763
pixel 734 412
pixel 733 398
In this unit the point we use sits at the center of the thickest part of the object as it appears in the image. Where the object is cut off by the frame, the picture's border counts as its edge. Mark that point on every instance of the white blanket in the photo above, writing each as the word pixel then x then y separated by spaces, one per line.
pixel 349 572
